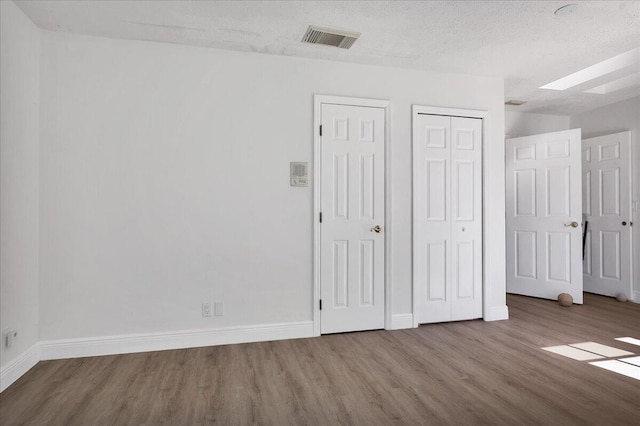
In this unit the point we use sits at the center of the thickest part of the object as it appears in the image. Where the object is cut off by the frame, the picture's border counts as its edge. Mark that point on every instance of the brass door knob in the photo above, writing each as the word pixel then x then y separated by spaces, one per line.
pixel 572 224
pixel 377 229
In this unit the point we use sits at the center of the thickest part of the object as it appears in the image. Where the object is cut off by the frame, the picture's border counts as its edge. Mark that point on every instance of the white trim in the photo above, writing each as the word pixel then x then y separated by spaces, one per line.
pixel 490 313
pixel 634 296
pixel 400 321
pixel 388 292
pixel 496 313
pixel 345 100
pixel 318 100
pixel 132 343
pixel 457 112
pixel 19 366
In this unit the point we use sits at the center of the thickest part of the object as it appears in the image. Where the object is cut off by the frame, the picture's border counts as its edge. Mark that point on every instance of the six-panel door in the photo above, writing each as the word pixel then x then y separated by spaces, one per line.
pixel 447 196
pixel 352 205
pixel 606 199
pixel 544 203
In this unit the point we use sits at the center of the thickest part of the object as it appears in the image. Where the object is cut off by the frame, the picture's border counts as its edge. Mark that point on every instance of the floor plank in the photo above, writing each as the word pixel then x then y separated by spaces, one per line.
pixel 470 372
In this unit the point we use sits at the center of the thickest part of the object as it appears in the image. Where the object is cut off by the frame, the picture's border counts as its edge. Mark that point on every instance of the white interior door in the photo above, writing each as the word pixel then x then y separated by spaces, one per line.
pixel 544 213
pixel 447 197
pixel 606 185
pixel 352 194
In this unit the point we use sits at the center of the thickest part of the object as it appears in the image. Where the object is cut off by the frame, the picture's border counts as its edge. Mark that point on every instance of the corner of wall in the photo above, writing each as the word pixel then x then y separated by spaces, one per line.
pixel 20 149
pixel 19 366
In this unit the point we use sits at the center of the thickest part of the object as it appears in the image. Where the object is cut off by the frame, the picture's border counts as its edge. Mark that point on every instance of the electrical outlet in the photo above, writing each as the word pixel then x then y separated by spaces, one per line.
pixel 206 309
pixel 218 309
pixel 9 337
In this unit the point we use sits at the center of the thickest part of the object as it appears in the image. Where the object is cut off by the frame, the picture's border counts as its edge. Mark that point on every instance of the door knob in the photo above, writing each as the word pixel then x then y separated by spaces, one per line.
pixel 572 224
pixel 377 229
pixel 624 223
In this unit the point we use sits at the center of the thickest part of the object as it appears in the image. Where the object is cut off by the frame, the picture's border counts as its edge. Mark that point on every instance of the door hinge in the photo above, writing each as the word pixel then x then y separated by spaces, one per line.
pixel 320 304
pixel 321 130
pixel 320 217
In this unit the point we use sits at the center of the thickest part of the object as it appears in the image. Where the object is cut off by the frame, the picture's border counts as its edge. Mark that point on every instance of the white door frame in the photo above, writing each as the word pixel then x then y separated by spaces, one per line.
pixel 318 100
pixel 486 254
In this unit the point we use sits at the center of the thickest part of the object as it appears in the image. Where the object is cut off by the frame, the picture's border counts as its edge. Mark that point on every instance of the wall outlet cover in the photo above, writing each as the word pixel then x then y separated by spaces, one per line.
pixel 9 337
pixel 206 309
pixel 218 309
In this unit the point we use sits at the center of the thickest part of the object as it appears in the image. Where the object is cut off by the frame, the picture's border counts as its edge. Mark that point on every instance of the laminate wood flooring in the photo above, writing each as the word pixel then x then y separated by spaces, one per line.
pixel 463 373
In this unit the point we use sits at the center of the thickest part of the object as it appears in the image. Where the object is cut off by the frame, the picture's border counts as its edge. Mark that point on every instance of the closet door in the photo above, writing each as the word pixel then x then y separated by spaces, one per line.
pixel 466 218
pixel 447 232
pixel 432 217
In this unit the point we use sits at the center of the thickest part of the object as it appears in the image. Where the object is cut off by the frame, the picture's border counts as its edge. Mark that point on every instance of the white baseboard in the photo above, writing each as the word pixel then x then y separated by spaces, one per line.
pixel 131 343
pixel 400 321
pixel 20 365
pixel 635 297
pixel 496 313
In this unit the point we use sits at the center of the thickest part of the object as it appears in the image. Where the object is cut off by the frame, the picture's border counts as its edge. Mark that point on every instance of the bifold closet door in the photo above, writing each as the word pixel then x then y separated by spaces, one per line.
pixel 447 199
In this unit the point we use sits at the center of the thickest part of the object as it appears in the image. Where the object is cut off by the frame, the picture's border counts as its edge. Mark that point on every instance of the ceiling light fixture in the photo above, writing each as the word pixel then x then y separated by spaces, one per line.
pixel 567 9
pixel 594 71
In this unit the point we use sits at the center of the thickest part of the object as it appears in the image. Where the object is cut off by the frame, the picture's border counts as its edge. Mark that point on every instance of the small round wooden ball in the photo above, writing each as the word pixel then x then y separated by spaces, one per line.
pixel 565 299
pixel 621 297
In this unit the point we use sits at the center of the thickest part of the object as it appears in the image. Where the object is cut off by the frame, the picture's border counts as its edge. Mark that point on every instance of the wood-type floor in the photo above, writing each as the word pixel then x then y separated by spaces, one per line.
pixel 463 373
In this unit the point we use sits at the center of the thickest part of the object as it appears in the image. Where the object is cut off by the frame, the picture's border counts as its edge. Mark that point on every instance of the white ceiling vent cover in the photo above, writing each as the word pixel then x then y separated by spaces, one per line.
pixel 330 37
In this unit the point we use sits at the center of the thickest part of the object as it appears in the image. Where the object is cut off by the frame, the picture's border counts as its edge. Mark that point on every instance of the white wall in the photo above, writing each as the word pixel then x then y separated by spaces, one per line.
pixel 615 118
pixel 526 124
pixel 164 182
pixel 19 135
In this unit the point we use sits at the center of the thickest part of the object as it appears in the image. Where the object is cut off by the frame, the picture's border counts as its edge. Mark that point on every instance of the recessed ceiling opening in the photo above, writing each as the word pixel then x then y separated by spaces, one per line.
pixel 615 85
pixel 330 37
pixel 608 66
pixel 515 102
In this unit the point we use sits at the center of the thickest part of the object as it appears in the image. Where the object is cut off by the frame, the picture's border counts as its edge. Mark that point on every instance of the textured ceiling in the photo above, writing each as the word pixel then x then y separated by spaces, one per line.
pixel 522 41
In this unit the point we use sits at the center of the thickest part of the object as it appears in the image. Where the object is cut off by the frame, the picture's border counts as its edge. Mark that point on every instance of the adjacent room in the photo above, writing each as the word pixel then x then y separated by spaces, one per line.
pixel 319 212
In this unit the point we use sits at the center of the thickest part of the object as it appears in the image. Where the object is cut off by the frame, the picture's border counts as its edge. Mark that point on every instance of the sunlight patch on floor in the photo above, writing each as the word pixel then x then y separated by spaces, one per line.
pixel 633 361
pixel 620 367
pixel 587 351
pixel 630 340
pixel 573 353
pixel 604 350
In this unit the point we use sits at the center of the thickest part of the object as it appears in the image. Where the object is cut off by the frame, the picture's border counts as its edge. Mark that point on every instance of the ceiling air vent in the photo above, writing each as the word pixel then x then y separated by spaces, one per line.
pixel 515 102
pixel 330 37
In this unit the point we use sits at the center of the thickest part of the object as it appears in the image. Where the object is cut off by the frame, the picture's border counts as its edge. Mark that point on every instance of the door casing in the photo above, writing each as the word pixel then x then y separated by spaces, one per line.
pixel 486 255
pixel 318 100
